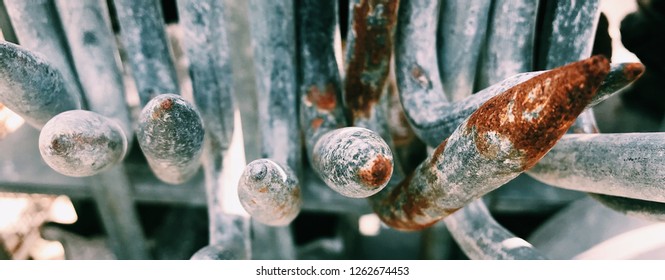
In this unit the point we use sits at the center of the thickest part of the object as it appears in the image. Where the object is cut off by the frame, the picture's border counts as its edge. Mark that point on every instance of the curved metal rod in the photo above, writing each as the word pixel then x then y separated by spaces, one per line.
pixel 148 54
pixel 482 238
pixel 505 136
pixel 206 46
pixel 270 192
pixel 510 41
pixel 648 210
pixel 32 87
pixel 431 115
pixel 461 31
pixel 627 165
pixel 346 167
pixel 37 28
pixel 170 133
pixel 96 59
pixel 81 143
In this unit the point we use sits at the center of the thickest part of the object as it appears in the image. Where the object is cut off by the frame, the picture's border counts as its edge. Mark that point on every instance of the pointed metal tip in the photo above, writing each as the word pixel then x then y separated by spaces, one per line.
pixel 633 71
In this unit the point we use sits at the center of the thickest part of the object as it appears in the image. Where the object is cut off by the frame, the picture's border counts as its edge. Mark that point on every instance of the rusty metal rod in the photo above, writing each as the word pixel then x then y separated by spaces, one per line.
pixel 144 39
pixel 505 136
pixel 510 41
pixel 32 87
pixel 87 27
pixel 37 28
pixel 628 165
pixel 462 28
pixel 482 238
pixel 81 143
pixel 206 45
pixel 170 133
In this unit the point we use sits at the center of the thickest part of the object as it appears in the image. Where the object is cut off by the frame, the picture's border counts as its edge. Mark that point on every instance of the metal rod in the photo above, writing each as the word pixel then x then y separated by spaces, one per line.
pixel 37 28
pixel 32 87
pixel 510 41
pixel 649 210
pixel 170 133
pixel 462 27
pixel 482 238
pixel 81 143
pixel 504 137
pixel 627 165
pixel 148 54
pixel 87 27
pixel 270 192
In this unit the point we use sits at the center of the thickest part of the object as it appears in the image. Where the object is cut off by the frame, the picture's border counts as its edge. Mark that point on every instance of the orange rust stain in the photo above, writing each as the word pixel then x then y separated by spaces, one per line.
pixel 561 94
pixel 296 193
pixel 378 174
pixel 166 104
pixel 374 29
pixel 263 190
pixel 326 100
pixel 632 71
pixel 438 152
pixel 316 123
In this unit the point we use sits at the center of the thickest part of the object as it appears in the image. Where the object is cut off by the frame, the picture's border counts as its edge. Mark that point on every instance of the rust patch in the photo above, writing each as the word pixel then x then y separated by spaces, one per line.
pixel 326 100
pixel 316 123
pixel 373 24
pixel 632 71
pixel 419 76
pixel 378 174
pixel 438 152
pixel 166 104
pixel 263 190
pixel 558 96
pixel 296 193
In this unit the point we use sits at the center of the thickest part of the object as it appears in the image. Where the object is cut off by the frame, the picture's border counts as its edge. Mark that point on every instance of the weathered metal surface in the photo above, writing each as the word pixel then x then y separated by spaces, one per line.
pixel 270 192
pixel 369 45
pixel 87 27
pixel 31 87
pixel 462 28
pixel 482 238
pixel 81 143
pixel 37 28
pixel 206 45
pixel 219 252
pixel 510 41
pixel 148 54
pixel 627 165
pixel 170 133
pixel 648 210
pixel 353 161
pixel 505 136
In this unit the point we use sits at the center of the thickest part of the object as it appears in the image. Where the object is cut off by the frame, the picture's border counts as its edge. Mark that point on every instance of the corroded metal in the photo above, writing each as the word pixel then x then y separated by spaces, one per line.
pixel 462 27
pixel 37 28
pixel 627 165
pixel 369 45
pixel 505 136
pixel 206 45
pixel 32 87
pixel 93 48
pixel 482 238
pixel 81 143
pixel 270 192
pixel 510 41
pixel 148 54
pixel 170 133
pixel 353 161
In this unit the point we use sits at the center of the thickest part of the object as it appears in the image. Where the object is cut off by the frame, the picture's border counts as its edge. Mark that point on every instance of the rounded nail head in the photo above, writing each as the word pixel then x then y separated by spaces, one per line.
pixel 81 143
pixel 270 192
pixel 353 161
pixel 170 133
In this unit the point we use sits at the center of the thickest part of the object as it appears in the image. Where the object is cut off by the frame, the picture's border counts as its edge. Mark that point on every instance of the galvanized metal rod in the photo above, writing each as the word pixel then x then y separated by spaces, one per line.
pixel 274 46
pixel 628 165
pixel 206 45
pixel 482 238
pixel 461 32
pixel 87 27
pixel 148 54
pixel 170 133
pixel 37 28
pixel 648 210
pixel 32 87
pixel 510 41
pixel 505 136
pixel 81 143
